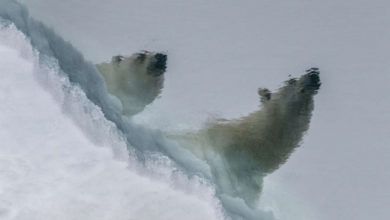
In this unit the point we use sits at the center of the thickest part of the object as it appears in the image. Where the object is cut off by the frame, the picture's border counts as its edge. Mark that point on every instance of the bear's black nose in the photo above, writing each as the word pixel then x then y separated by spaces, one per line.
pixel 313 76
pixel 160 57
pixel 161 61
pixel 158 64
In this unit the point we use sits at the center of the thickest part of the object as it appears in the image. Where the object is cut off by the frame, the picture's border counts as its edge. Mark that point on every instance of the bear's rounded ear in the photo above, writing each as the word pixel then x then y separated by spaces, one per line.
pixel 117 59
pixel 264 94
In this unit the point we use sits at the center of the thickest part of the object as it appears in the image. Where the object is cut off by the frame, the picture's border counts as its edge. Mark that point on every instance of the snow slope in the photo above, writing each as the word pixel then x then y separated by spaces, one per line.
pixel 49 168
pixel 340 172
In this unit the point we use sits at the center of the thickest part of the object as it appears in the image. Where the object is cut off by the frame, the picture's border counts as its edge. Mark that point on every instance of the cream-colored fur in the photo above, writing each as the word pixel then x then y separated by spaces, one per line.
pixel 135 80
pixel 242 151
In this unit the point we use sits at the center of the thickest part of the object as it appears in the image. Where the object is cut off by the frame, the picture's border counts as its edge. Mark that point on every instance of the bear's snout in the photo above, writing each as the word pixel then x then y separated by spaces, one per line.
pixel 161 62
pixel 161 56
pixel 312 79
pixel 159 65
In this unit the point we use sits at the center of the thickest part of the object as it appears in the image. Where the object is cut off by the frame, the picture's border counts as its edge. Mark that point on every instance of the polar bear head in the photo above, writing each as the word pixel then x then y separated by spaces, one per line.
pixel 255 145
pixel 284 118
pixel 145 62
pixel 135 80
pixel 307 84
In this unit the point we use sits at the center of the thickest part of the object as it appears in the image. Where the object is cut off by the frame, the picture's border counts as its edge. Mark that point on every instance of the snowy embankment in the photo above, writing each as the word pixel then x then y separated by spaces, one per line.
pixel 49 169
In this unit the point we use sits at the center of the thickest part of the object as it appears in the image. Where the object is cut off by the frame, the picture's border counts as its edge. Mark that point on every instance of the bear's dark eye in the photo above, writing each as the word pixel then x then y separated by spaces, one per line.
pixel 141 57
pixel 118 58
pixel 292 81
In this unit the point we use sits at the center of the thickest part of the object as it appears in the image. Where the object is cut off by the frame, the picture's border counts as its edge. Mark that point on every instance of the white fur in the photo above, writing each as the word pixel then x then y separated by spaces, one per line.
pixel 130 80
pixel 242 151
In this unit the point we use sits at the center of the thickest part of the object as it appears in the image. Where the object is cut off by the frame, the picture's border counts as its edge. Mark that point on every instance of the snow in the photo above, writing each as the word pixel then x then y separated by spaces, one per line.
pixel 49 169
pixel 220 52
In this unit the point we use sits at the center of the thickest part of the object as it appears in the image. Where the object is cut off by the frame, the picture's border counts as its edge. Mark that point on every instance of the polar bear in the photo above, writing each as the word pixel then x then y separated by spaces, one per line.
pixel 242 151
pixel 136 80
